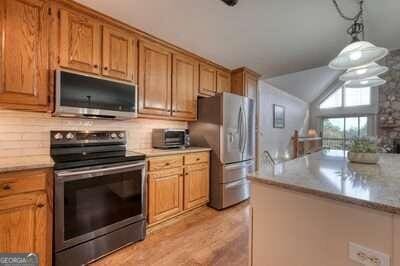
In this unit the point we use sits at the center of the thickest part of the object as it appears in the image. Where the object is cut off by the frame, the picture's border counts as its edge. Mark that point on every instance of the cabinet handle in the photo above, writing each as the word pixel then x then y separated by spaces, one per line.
pixel 95 66
pixel 186 173
pixel 197 159
pixel 40 205
pixel 105 68
pixel 166 164
pixel 6 187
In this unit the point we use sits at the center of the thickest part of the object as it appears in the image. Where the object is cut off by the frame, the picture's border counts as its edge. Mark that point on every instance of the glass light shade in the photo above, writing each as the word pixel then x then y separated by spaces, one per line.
pixel 363 72
pixel 358 54
pixel 362 83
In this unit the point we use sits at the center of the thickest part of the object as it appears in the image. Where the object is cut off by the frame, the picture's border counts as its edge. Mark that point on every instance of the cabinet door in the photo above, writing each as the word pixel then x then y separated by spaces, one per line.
pixel 24 54
pixel 155 73
pixel 80 42
pixel 208 80
pixel 196 185
pixel 119 54
pixel 23 224
pixel 185 83
pixel 223 82
pixel 251 84
pixel 165 194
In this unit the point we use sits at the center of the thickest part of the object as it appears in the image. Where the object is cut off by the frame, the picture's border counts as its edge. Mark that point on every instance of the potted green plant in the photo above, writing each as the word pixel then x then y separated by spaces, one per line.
pixel 363 151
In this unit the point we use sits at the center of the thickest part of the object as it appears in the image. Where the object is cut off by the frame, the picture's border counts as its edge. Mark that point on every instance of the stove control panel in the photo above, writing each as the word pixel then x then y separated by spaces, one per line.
pixel 82 137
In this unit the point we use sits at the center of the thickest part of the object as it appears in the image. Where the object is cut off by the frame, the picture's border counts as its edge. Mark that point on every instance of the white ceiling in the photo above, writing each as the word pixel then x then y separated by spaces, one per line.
pixel 273 37
pixel 306 85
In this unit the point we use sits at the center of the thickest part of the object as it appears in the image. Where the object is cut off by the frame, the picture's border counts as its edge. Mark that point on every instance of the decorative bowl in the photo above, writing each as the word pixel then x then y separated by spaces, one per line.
pixel 367 158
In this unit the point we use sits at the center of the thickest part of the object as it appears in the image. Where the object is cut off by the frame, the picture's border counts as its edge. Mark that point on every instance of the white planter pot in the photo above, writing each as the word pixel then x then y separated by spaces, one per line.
pixel 367 158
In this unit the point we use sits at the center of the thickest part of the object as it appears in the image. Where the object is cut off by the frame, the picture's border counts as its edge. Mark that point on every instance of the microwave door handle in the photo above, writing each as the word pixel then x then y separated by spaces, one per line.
pixel 66 174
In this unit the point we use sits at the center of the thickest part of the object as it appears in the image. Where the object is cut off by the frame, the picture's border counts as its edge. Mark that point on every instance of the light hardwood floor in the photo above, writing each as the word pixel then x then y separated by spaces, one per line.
pixel 202 237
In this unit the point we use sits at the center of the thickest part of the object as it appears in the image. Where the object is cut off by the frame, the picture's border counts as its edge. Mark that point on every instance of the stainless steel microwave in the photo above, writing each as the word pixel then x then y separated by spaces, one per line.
pixel 170 138
pixel 87 96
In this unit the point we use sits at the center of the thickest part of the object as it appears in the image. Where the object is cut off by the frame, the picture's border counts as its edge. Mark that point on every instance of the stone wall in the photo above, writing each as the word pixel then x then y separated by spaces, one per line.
pixel 389 100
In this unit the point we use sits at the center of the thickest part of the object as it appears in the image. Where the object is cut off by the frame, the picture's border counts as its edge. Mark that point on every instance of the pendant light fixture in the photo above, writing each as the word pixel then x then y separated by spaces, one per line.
pixel 359 56
pixel 363 72
pixel 362 83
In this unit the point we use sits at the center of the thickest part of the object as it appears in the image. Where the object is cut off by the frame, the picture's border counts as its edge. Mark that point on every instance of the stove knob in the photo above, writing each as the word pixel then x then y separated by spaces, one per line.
pixel 69 136
pixel 114 135
pixel 58 136
pixel 121 135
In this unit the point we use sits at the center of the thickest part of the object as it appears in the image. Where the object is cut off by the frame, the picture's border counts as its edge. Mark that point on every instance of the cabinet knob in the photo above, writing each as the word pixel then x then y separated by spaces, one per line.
pixel 197 159
pixel 40 205
pixel 6 187
pixel 95 66
pixel 186 173
pixel 105 68
pixel 166 164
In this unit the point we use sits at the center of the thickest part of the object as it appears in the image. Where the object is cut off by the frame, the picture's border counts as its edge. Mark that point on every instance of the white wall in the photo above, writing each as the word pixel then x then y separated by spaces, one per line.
pixel 278 141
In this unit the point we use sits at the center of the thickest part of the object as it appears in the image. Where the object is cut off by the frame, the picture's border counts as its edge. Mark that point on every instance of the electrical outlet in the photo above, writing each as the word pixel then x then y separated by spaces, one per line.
pixel 368 257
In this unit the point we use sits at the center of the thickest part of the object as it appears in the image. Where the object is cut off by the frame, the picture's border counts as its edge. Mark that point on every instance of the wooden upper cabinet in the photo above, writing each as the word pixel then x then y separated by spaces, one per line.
pixel 80 42
pixel 223 81
pixel 24 54
pixel 155 73
pixel 24 224
pixel 185 83
pixel 208 80
pixel 245 82
pixel 251 84
pixel 119 54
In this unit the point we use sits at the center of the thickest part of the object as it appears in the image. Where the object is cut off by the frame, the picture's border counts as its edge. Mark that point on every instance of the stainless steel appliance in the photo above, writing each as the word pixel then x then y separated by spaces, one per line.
pixel 82 95
pixel 226 123
pixel 170 138
pixel 99 197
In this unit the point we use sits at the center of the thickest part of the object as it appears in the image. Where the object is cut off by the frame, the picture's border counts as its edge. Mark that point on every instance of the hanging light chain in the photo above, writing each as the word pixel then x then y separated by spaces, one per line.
pixel 355 18
pixel 358 21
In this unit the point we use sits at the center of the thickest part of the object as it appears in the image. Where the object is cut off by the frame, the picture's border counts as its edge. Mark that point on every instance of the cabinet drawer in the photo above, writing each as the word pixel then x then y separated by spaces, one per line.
pixel 165 173
pixel 167 162
pixel 194 158
pixel 21 182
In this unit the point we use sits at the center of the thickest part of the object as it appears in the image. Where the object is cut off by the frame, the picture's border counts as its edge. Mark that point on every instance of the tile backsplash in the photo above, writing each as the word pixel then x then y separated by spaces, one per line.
pixel 28 133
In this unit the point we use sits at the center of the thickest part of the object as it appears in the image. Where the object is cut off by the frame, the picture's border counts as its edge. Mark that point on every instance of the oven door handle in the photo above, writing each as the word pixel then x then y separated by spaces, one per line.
pixel 95 171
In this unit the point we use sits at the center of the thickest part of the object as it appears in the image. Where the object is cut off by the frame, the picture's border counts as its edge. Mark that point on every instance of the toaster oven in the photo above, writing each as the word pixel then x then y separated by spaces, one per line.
pixel 168 138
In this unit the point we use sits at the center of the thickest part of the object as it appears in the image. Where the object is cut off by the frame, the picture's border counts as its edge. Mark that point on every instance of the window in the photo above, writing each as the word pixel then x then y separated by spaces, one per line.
pixel 347 97
pixel 357 96
pixel 334 100
pixel 338 132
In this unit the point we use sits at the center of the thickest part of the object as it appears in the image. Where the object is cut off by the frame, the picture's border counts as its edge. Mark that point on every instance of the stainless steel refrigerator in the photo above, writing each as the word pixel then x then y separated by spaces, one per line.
pixel 226 123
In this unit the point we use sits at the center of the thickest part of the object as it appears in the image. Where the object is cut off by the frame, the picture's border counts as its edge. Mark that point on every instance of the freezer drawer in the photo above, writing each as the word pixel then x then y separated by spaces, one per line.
pixel 236 171
pixel 228 194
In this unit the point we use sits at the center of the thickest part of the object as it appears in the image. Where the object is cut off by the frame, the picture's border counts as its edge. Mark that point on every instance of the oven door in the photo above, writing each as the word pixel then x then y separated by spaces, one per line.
pixel 93 201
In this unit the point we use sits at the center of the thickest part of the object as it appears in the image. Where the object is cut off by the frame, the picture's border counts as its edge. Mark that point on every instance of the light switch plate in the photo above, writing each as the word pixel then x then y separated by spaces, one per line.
pixel 368 257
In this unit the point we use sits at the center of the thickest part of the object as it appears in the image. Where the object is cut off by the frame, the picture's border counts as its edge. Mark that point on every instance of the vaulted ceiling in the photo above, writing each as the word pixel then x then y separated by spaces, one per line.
pixel 273 37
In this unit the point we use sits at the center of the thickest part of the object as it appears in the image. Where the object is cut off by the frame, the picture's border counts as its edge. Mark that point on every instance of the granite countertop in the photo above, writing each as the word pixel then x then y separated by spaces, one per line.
pixel 165 152
pixel 19 163
pixel 329 174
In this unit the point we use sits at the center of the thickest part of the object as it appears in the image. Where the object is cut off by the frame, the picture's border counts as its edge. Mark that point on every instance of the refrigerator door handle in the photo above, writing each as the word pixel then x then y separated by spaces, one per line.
pixel 240 128
pixel 245 130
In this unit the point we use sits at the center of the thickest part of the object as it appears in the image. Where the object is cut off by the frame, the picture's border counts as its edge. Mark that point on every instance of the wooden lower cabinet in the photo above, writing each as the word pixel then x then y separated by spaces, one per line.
pixel 172 191
pixel 165 194
pixel 25 219
pixel 196 185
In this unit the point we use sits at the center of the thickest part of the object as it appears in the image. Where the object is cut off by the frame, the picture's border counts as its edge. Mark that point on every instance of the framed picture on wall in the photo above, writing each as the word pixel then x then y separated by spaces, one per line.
pixel 279 116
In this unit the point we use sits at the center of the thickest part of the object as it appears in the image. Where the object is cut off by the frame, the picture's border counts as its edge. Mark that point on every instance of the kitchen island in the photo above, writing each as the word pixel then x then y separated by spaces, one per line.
pixel 309 211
